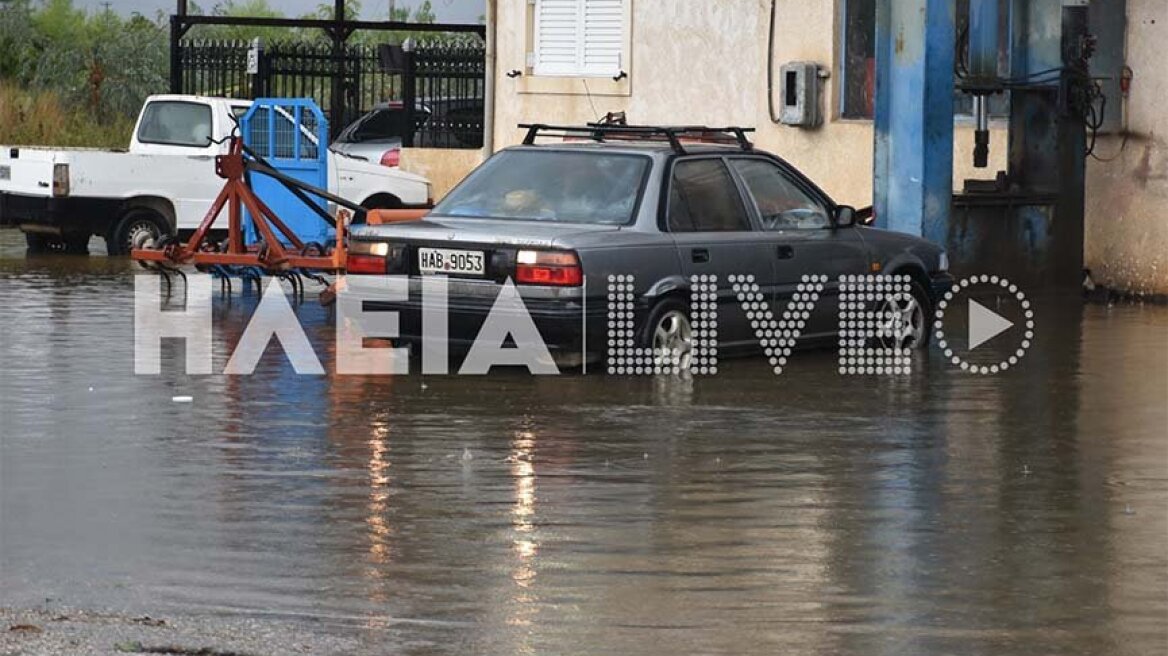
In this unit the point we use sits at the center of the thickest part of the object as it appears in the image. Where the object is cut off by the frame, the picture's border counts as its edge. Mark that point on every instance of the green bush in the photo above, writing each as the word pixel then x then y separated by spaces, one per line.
pixel 41 118
pixel 101 62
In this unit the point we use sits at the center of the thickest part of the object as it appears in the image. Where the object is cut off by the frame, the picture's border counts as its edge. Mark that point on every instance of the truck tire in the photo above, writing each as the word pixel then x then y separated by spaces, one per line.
pixel 40 243
pixel 138 227
pixel 68 244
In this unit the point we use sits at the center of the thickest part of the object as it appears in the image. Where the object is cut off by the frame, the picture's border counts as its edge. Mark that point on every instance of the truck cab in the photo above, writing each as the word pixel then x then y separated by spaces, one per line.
pixel 185 125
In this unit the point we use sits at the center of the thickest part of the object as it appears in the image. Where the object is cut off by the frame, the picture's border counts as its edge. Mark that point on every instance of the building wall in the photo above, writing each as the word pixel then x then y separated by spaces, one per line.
pixel 1126 242
pixel 705 62
pixel 443 167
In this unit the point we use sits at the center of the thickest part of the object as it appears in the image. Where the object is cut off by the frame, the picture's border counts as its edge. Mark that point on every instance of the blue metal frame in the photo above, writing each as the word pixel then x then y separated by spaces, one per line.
pixel 292 135
pixel 913 173
pixel 960 117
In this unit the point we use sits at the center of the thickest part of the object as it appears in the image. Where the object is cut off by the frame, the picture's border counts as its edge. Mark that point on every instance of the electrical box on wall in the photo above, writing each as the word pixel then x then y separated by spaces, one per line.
pixel 799 92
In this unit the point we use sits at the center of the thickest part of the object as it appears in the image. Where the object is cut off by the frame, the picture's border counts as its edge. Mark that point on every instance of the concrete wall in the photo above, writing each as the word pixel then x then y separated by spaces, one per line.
pixel 705 62
pixel 1126 243
pixel 444 168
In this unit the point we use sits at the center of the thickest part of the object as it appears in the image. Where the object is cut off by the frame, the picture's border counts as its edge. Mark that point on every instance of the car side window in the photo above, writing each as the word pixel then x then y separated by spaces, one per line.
pixel 781 203
pixel 704 198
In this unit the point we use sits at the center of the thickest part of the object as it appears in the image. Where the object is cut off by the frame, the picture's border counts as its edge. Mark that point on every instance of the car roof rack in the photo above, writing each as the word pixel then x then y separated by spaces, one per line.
pixel 603 132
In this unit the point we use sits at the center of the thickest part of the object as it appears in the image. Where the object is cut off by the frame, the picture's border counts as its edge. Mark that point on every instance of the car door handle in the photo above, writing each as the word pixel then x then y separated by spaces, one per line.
pixel 785 252
pixel 700 255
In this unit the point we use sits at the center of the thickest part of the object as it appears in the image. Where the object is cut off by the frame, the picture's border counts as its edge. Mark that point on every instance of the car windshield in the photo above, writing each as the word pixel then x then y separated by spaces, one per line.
pixel 546 185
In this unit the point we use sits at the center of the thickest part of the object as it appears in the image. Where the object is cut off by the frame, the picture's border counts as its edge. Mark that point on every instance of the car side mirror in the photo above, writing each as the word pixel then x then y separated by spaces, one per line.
pixel 845 215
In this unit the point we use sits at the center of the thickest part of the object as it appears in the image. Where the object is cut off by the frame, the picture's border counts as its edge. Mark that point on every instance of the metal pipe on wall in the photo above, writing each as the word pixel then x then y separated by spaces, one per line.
pixel 489 83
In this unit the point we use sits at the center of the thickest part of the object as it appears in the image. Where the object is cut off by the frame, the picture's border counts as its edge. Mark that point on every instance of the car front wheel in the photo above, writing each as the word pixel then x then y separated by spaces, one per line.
pixel 905 320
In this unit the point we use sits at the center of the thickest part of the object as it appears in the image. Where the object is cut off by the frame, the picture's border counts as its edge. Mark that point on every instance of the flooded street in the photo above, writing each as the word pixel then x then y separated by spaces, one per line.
pixel 809 513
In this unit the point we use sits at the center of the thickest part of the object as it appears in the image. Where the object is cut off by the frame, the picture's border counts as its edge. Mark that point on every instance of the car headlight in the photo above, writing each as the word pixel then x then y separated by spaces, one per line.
pixel 943 262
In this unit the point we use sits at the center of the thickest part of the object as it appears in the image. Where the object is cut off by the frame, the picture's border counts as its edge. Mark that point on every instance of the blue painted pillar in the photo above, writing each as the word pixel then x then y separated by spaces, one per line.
pixel 913 174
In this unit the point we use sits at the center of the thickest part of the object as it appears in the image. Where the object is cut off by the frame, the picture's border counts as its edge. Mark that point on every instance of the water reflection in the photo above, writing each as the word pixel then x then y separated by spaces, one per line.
pixel 803 514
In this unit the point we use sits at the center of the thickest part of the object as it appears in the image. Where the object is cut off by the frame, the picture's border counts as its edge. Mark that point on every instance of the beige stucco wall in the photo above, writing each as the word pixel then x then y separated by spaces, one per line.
pixel 1126 243
pixel 704 62
pixel 444 168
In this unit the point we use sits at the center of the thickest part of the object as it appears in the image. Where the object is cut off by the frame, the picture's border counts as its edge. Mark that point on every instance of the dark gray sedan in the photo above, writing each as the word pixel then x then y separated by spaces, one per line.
pixel 559 219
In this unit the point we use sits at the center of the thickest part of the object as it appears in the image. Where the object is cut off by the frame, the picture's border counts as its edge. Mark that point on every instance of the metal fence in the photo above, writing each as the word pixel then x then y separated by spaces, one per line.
pixel 439 86
pixel 214 68
pixel 445 86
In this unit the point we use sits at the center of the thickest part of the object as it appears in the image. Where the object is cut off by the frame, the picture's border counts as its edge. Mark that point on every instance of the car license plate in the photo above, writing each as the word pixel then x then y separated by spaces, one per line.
pixel 441 260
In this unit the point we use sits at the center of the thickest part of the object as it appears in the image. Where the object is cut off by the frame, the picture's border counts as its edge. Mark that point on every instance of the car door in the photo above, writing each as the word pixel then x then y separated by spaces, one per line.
pixel 713 233
pixel 800 236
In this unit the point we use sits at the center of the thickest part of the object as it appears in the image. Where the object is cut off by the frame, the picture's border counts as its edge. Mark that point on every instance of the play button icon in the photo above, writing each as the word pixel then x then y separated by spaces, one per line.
pixel 984 324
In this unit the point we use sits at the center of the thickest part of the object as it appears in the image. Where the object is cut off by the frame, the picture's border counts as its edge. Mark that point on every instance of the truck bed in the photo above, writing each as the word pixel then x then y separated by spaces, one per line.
pixel 185 182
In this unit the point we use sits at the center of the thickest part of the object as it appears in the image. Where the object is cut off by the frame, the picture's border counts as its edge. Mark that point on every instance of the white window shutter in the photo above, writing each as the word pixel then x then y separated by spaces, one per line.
pixel 557 37
pixel 603 37
pixel 579 37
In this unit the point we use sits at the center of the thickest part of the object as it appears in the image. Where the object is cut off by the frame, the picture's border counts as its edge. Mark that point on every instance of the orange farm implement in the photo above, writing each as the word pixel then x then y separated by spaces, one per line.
pixel 277 252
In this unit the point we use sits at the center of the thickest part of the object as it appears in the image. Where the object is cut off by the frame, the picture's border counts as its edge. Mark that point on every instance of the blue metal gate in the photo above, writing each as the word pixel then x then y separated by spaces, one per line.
pixel 292 135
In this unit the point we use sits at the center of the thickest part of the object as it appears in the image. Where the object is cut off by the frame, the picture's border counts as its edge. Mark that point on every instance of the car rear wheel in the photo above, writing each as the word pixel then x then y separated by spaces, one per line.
pixel 906 320
pixel 669 333
pixel 139 228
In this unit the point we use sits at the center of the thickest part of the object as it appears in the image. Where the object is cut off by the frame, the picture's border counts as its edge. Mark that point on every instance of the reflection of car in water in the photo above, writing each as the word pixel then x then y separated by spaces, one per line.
pixel 559 219
pixel 377 136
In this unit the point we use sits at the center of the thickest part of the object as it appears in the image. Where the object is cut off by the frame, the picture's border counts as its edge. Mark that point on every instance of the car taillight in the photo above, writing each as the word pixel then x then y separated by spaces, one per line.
pixel 558 268
pixel 369 264
pixel 377 257
pixel 60 179
pixel 391 157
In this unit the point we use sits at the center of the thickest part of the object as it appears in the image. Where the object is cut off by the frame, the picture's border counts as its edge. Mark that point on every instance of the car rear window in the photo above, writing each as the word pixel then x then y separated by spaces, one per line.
pixel 547 185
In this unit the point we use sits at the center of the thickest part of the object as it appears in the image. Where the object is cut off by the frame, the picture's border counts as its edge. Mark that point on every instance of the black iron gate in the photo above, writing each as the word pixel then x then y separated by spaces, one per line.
pixel 442 85
pixel 346 80
pixel 345 86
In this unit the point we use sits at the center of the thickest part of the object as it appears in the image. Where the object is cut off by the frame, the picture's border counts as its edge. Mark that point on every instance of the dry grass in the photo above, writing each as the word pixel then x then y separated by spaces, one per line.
pixel 41 118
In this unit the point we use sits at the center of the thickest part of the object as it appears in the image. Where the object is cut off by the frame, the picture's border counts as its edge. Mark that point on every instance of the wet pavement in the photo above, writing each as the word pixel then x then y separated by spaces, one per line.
pixel 809 513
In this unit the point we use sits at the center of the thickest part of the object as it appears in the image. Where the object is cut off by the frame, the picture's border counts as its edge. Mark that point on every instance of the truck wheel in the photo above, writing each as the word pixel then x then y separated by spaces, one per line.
pixel 38 243
pixel 139 227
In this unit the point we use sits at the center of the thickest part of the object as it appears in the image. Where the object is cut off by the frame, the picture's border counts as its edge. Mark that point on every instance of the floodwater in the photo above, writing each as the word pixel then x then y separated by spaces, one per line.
pixel 808 513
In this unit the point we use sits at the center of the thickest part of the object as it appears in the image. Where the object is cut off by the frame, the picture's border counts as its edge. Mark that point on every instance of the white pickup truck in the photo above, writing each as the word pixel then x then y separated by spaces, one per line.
pixel 164 184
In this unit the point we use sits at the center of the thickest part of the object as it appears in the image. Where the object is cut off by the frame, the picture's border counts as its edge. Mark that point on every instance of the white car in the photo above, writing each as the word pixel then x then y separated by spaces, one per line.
pixel 438 123
pixel 164 184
